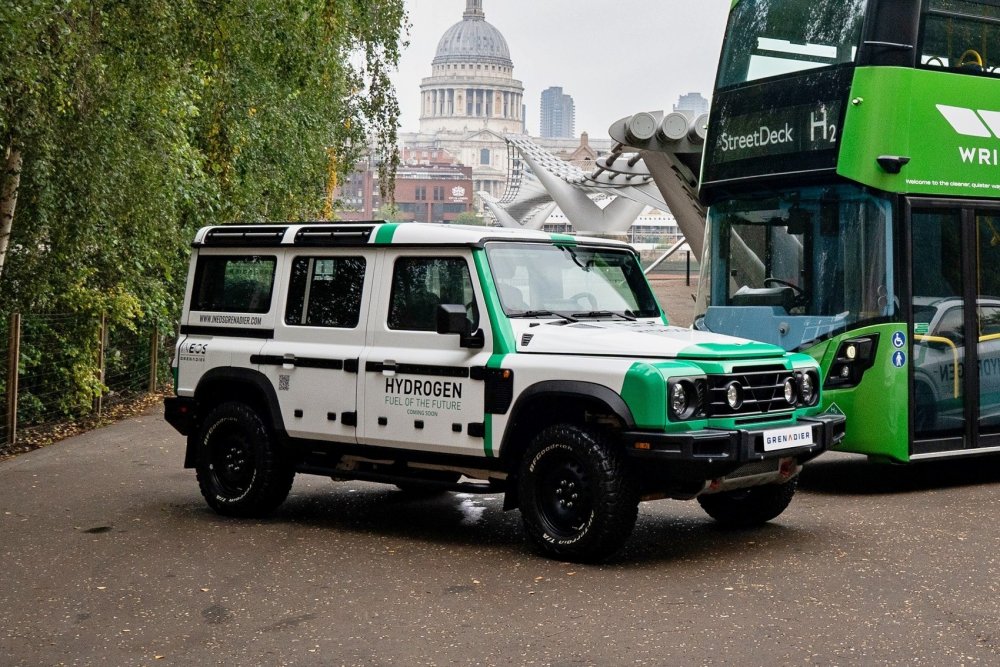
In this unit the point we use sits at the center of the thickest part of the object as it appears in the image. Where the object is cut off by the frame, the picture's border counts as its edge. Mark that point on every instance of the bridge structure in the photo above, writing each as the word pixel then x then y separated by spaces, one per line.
pixel 654 162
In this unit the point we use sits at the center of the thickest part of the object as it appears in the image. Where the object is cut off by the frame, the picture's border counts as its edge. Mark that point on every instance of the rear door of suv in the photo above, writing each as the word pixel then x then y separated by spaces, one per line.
pixel 313 359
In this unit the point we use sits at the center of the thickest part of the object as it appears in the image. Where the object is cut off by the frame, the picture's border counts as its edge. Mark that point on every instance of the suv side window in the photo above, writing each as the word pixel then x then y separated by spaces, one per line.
pixel 233 284
pixel 421 284
pixel 325 292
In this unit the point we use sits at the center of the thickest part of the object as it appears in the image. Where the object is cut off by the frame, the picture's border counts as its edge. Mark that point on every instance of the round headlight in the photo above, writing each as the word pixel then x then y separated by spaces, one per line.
pixel 678 400
pixel 808 389
pixel 852 352
pixel 734 395
pixel 790 391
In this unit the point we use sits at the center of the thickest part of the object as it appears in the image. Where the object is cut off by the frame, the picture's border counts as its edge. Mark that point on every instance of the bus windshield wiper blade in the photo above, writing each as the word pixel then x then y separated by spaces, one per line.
pixel 545 313
pixel 606 313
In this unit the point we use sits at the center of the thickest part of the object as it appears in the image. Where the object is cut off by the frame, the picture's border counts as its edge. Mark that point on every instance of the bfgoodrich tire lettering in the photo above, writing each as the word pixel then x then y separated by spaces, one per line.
pixel 744 508
pixel 578 499
pixel 240 472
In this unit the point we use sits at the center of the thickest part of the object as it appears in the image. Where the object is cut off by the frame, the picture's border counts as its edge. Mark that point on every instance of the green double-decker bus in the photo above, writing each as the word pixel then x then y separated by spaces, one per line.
pixel 852 174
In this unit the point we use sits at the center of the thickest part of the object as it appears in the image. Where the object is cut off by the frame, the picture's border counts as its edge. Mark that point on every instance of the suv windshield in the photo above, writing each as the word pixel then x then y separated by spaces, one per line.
pixel 539 280
pixel 772 37
pixel 817 259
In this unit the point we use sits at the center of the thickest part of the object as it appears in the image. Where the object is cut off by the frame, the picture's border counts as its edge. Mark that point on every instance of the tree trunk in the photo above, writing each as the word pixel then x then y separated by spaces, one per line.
pixel 10 181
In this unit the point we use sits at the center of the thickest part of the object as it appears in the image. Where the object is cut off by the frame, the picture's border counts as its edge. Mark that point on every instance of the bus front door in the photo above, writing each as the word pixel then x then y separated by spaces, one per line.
pixel 955 330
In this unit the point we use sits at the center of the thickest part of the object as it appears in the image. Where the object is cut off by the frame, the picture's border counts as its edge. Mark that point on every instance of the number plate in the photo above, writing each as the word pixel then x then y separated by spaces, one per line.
pixel 787 438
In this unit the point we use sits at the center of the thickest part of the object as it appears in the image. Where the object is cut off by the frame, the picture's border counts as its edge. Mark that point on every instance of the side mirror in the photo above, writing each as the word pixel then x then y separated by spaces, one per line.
pixel 451 319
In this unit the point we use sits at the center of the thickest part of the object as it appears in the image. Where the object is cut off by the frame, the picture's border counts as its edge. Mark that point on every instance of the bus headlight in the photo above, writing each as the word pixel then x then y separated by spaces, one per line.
pixel 853 358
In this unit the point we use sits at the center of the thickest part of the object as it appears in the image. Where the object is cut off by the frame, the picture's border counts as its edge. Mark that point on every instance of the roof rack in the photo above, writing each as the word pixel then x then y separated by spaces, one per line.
pixel 348 234
pixel 245 235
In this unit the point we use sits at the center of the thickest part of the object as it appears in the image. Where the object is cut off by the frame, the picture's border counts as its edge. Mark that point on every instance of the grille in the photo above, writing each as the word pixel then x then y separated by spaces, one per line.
pixel 763 391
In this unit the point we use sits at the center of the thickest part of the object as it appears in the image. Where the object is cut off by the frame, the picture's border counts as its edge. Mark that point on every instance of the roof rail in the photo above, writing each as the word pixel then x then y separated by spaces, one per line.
pixel 245 235
pixel 349 234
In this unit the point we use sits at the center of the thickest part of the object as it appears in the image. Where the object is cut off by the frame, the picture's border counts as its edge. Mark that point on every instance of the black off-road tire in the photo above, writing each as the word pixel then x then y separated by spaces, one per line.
pixel 578 497
pixel 745 508
pixel 240 470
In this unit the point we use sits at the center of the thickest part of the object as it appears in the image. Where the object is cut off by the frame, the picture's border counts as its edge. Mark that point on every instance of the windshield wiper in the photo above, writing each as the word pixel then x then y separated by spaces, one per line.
pixel 545 313
pixel 606 313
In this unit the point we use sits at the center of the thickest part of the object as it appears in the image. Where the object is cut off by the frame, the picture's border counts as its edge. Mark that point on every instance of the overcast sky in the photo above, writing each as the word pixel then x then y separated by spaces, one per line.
pixel 615 57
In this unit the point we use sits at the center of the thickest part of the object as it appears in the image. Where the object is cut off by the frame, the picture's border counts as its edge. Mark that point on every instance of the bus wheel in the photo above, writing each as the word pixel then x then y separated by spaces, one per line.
pixel 744 508
pixel 240 471
pixel 579 500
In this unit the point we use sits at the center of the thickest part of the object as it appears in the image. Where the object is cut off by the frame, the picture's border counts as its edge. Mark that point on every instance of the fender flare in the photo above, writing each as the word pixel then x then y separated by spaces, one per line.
pixel 567 389
pixel 232 375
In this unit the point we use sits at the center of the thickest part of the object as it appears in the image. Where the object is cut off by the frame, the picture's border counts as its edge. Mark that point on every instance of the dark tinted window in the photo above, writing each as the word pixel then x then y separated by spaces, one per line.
pixel 962 36
pixel 421 284
pixel 325 292
pixel 233 284
pixel 769 38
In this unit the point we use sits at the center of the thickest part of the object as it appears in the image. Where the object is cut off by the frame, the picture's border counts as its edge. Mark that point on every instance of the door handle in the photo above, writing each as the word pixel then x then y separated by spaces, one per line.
pixel 388 368
pixel 288 361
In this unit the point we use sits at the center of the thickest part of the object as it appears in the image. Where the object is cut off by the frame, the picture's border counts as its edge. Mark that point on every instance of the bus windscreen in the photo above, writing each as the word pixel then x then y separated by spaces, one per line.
pixel 769 38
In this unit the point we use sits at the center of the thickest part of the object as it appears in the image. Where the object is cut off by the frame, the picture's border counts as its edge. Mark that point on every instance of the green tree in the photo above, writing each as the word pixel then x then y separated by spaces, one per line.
pixel 125 126
pixel 470 218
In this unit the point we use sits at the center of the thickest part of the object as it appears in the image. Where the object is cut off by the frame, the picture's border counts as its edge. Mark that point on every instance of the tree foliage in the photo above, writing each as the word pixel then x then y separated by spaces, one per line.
pixel 138 122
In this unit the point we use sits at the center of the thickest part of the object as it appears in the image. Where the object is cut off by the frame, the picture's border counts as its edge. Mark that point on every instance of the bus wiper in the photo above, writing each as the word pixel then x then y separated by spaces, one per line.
pixel 606 313
pixel 546 313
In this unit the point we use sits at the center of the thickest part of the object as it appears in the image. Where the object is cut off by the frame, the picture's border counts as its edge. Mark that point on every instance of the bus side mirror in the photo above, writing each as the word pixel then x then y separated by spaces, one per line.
pixel 451 319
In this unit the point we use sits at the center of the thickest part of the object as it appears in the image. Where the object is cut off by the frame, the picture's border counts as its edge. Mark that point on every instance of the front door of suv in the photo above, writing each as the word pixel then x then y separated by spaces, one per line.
pixel 417 384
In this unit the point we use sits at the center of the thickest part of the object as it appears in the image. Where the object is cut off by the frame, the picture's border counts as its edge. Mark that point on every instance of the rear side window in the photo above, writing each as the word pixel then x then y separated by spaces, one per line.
pixel 237 284
pixel 325 292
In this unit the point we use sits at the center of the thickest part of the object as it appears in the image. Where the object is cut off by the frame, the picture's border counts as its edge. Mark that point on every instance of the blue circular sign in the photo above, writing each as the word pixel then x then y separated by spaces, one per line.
pixel 898 359
pixel 898 340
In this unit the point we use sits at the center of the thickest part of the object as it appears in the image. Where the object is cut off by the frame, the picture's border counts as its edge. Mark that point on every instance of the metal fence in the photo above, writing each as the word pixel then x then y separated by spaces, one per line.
pixel 59 369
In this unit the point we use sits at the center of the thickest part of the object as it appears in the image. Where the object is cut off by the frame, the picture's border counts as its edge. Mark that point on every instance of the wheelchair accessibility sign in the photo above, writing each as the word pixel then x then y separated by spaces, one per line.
pixel 899 340
pixel 898 359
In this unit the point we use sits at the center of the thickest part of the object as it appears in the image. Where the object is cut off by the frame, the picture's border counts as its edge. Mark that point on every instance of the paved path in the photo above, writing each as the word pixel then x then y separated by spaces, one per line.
pixel 110 556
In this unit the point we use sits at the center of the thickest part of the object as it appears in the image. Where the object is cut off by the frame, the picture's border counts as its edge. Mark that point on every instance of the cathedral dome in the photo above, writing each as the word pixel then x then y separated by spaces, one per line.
pixel 473 40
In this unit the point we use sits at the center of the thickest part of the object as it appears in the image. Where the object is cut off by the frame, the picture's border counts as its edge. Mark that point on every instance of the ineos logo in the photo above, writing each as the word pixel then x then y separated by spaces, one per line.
pixel 196 348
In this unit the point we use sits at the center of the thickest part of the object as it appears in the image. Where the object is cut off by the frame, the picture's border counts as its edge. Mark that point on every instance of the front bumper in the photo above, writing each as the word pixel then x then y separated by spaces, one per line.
pixel 729 449
pixel 179 411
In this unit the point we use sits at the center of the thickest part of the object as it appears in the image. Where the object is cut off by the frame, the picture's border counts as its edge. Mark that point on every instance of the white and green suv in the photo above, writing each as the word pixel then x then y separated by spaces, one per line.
pixel 438 357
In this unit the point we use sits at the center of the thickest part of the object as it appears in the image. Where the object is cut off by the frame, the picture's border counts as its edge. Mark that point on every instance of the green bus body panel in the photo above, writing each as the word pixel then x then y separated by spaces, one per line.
pixel 877 410
pixel 895 112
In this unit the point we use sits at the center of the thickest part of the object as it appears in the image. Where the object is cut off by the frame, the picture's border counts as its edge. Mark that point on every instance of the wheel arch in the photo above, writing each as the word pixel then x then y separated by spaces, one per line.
pixel 242 385
pixel 554 401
